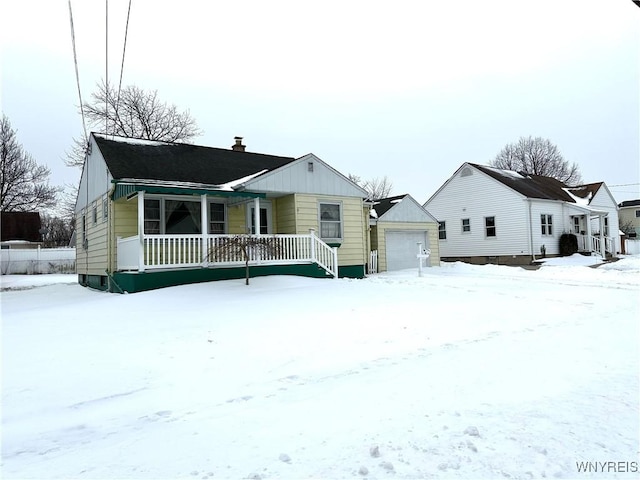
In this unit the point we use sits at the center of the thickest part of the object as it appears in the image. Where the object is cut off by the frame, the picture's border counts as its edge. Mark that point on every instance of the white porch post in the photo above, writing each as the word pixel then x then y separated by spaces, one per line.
pixel 204 229
pixel 603 246
pixel 588 228
pixel 312 247
pixel 256 214
pixel 141 231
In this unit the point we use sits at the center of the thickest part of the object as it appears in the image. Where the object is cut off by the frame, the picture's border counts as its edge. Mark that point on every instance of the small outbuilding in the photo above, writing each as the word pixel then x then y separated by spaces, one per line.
pixel 397 225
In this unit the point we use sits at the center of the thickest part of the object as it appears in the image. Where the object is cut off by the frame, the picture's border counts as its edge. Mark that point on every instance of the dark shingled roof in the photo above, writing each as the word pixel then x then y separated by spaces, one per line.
pixel 531 186
pixel 629 203
pixel 383 205
pixel 20 226
pixel 181 162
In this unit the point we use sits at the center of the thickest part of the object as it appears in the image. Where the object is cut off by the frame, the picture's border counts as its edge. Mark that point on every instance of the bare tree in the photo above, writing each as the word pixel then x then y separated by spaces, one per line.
pixel 24 185
pixel 247 248
pixel 75 157
pixel 57 231
pixel 136 113
pixel 376 187
pixel 537 156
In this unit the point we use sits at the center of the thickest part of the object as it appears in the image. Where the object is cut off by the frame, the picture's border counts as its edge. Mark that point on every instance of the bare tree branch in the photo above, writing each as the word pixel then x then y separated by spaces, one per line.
pixel 377 188
pixel 537 156
pixel 24 184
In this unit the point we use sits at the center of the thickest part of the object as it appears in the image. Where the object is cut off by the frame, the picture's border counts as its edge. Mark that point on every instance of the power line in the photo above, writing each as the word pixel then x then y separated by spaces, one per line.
pixel 124 49
pixel 625 185
pixel 75 62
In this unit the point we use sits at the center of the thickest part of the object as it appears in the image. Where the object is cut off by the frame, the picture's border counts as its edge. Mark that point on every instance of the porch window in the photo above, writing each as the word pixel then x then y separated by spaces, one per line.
pixel 151 216
pixel 330 220
pixel 164 216
pixel 490 226
pixel 217 218
pixel 576 225
pixel 442 230
pixel 182 217
pixel 466 225
pixel 546 224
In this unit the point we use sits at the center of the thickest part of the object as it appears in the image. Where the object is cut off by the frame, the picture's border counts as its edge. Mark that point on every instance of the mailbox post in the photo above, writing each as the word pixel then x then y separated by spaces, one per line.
pixel 423 254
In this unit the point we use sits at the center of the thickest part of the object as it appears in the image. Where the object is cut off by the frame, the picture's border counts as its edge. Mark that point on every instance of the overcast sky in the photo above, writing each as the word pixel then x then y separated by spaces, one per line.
pixel 407 89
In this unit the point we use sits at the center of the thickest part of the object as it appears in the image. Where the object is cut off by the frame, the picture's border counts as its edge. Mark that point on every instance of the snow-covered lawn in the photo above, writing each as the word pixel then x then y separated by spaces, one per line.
pixel 465 372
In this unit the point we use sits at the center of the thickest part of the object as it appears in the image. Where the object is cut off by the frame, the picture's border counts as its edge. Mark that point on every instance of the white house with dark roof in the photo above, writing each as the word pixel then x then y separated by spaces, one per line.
pixel 400 226
pixel 153 214
pixel 489 215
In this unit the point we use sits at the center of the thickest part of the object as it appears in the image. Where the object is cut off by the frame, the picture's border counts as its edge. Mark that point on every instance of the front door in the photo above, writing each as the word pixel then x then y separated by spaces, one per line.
pixel 265 219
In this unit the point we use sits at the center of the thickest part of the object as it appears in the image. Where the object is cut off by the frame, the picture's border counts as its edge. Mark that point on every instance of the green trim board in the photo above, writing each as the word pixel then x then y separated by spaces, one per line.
pixel 132 282
pixel 127 189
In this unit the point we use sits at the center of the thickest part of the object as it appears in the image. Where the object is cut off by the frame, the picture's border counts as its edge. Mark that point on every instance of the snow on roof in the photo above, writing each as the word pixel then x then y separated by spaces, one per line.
pixel 506 173
pixel 582 201
pixel 397 200
pixel 373 213
pixel 132 141
pixel 235 183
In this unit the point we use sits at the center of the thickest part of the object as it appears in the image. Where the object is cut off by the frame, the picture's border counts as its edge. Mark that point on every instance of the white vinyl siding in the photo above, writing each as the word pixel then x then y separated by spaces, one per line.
pixel 475 197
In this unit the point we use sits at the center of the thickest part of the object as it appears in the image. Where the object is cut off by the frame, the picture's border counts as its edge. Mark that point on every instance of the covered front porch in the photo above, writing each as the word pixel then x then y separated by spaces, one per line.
pixel 592 232
pixel 187 232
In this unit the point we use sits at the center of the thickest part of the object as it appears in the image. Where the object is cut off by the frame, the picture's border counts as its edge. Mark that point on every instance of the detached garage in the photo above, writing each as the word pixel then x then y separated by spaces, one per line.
pixel 397 225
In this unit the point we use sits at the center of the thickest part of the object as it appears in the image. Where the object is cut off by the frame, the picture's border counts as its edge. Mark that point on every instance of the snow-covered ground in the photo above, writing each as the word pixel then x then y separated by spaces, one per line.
pixel 465 372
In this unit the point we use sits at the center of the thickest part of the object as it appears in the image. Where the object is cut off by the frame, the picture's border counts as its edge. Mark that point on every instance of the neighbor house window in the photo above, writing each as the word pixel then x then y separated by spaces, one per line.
pixel 330 220
pixel 490 226
pixel 466 225
pixel 546 224
pixel 217 218
pixel 576 225
pixel 442 230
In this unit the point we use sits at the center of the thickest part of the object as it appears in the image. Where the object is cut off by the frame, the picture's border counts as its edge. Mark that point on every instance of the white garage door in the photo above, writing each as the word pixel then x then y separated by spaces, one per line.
pixel 402 247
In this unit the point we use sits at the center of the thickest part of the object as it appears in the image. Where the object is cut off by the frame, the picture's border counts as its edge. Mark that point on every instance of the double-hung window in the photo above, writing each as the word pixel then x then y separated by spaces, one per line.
pixel 330 221
pixel 606 226
pixel 576 225
pixel 466 225
pixel 442 230
pixel 217 218
pixel 490 226
pixel 546 224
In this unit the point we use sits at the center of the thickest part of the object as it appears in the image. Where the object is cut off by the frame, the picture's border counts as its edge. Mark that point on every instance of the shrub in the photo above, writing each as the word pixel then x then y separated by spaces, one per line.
pixel 568 244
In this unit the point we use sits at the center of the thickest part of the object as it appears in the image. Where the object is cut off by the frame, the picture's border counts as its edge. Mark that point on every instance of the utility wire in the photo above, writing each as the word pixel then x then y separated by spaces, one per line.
pixel 75 61
pixel 124 49
pixel 106 66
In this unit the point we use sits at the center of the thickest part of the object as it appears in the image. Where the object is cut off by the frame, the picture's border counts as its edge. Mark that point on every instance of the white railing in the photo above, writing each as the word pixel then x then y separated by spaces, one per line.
pixel 178 251
pixel 592 244
pixel 373 261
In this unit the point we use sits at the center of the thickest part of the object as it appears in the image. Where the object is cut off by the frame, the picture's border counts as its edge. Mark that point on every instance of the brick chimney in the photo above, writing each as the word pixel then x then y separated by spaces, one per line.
pixel 238 147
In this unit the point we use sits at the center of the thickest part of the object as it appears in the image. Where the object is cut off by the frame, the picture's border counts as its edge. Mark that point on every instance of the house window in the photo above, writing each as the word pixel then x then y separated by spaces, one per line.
pixel 330 220
pixel 182 217
pixel 466 225
pixel 84 231
pixel 442 230
pixel 606 226
pixel 546 224
pixel 95 214
pixel 217 218
pixel 151 216
pixel 490 226
pixel 637 213
pixel 576 225
pixel 105 209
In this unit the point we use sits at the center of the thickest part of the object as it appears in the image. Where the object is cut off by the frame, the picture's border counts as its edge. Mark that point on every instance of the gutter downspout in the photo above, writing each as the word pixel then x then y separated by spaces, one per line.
pixel 533 256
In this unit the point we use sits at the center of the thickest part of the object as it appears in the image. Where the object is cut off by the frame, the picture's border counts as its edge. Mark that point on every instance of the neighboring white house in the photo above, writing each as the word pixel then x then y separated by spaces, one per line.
pixel 398 224
pixel 489 215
